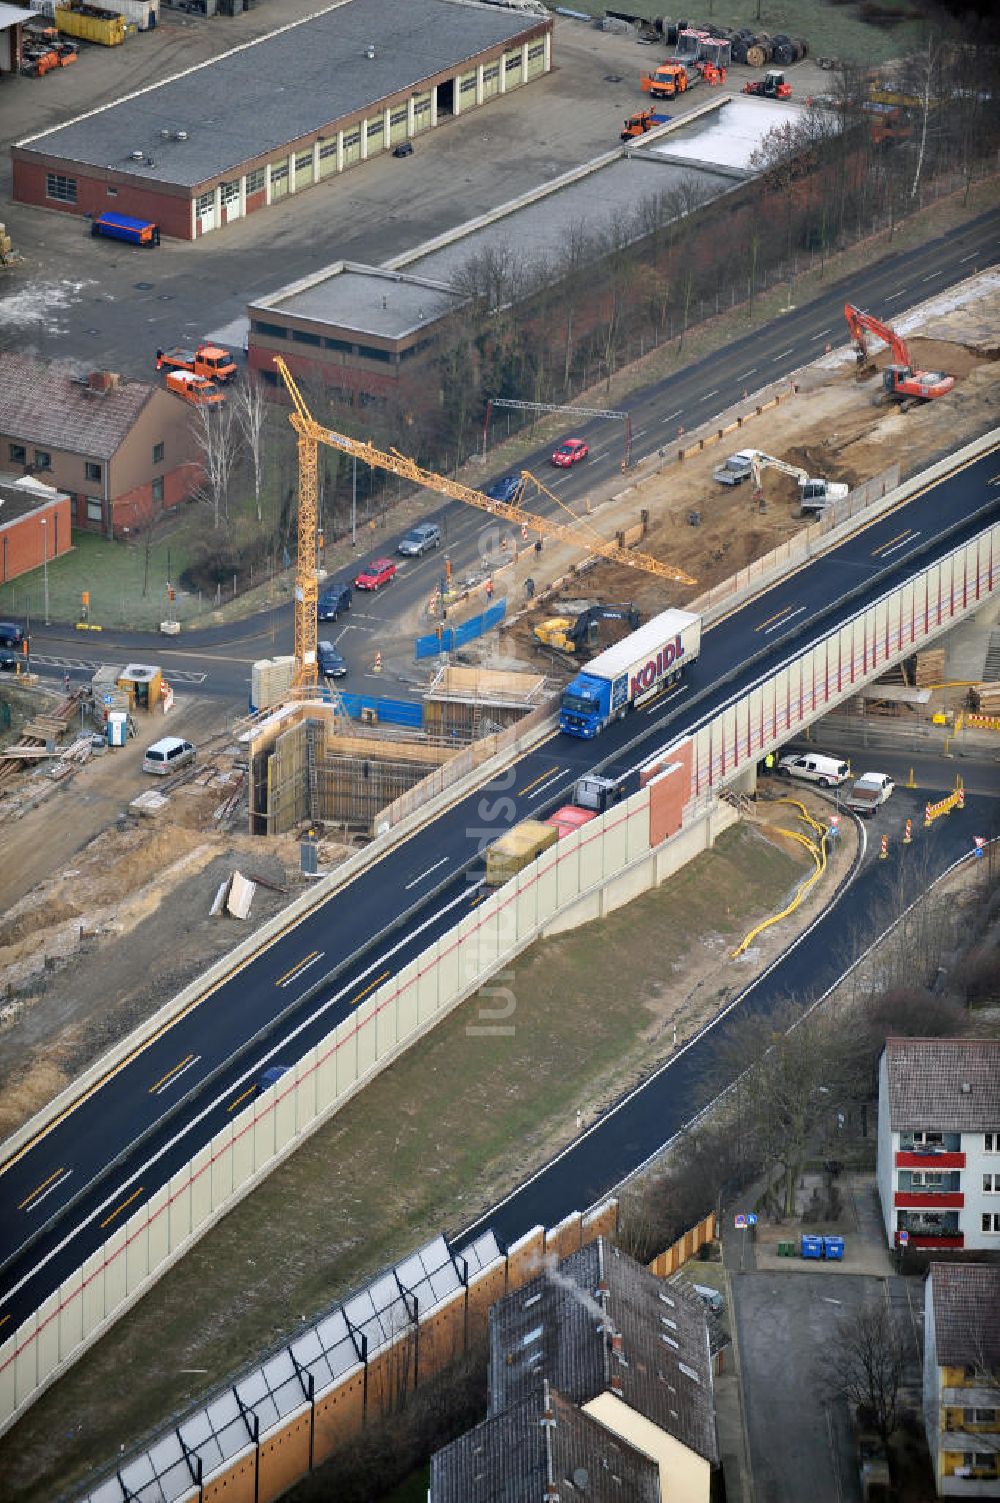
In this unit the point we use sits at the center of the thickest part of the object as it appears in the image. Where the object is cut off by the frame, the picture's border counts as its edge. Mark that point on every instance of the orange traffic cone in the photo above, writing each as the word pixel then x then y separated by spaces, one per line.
pixel 883 853
pixel 961 798
pixel 908 832
pixel 378 662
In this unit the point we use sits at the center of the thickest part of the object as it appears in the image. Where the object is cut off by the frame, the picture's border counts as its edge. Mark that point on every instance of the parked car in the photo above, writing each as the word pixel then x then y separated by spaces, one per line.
pixel 826 771
pixel 404 149
pixel 169 754
pixel 420 540
pixel 331 664
pixel 11 634
pixel 374 575
pixel 504 489
pixel 332 601
pixel 870 791
pixel 9 662
pixel 570 452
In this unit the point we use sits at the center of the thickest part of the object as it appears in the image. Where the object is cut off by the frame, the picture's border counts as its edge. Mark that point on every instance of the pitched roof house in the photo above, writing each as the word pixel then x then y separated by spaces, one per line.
pixel 123 450
pixel 962 1377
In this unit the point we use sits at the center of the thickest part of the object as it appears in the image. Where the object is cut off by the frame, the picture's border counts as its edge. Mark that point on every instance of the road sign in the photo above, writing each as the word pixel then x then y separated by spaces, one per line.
pixel 752 1218
pixel 904 1238
pixel 108 699
pixel 740 1222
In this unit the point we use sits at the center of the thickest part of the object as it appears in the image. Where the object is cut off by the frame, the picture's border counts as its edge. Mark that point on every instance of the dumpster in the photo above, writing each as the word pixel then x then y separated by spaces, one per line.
pixel 126 227
pixel 833 1248
pixel 811 1247
pixel 92 24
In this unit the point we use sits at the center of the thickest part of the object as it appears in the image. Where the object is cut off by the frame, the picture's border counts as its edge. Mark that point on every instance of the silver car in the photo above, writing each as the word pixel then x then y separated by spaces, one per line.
pixel 420 540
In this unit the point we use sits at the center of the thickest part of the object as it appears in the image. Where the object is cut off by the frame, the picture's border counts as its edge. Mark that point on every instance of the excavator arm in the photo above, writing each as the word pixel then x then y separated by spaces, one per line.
pixel 862 324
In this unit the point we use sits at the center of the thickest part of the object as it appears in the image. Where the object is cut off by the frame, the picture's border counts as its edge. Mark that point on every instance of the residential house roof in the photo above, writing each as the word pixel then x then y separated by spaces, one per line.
pixel 542 1450
pixel 966 1314
pixel 47 404
pixel 945 1085
pixel 601 1322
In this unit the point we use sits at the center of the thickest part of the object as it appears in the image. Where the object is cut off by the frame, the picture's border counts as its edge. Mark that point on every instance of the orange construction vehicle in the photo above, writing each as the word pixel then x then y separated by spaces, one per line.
pixel 641 122
pixel 668 80
pixel 771 86
pixel 209 360
pixel 901 381
pixel 197 390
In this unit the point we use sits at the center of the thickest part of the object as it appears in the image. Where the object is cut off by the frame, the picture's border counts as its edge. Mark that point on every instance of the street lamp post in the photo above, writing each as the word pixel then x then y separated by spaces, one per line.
pixel 45 564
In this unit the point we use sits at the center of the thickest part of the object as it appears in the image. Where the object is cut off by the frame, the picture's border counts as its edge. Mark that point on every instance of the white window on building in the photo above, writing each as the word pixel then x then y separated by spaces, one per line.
pixel 230 195
pixel 991 1221
pixel 256 180
pixel 991 1142
pixel 61 189
pixel 205 203
pixel 928 1139
pixel 926 1179
pixel 991 1184
pixel 979 1416
pixel 95 511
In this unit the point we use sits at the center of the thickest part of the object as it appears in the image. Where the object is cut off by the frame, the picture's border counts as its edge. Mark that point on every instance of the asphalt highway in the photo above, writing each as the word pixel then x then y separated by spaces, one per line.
pixel 217 660
pixel 62 1196
pixel 644 1122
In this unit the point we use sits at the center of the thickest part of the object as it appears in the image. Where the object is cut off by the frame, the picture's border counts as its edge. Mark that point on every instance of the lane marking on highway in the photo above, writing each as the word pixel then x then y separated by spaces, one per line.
pixel 970 257
pixel 369 988
pixel 671 692
pixel 777 617
pixel 477 899
pixel 815 336
pixel 751 372
pixel 892 542
pixel 280 1046
pixel 118 1209
pixel 416 880
pixel 891 296
pixel 189 1064
pixel 784 353
pixel 300 966
pixel 45 1195
pixel 535 781
pixel 708 394
pixel 39 1188
pixel 671 415
pixel 234 1104
pixel 930 277
pixel 994 479
pixel 551 779
pixel 905 542
pixel 181 1065
pixel 4 1319
pixel 786 617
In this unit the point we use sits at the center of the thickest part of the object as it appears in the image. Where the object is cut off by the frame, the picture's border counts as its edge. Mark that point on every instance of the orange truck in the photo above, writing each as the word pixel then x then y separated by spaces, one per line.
pixel 197 390
pixel 668 80
pixel 209 360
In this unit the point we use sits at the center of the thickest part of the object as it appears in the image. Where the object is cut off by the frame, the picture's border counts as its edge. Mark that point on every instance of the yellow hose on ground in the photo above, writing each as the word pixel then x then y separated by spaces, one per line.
pixel 818 853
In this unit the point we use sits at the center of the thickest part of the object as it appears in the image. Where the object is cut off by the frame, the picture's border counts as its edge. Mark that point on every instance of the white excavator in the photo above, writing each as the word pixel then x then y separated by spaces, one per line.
pixel 815 494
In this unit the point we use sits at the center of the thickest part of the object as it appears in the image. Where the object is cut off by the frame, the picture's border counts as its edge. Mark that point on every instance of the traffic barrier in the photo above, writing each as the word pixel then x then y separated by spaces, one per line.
pixel 883 848
pixel 944 806
pixel 908 833
pixel 983 722
pixel 378 662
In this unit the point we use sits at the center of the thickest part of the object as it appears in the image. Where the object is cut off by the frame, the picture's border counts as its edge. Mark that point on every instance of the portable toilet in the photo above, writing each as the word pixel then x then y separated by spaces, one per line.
pixel 833 1248
pixel 117 727
pixel 810 1246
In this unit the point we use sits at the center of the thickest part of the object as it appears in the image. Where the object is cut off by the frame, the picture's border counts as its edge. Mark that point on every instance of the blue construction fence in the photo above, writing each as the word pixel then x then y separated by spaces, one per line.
pixel 448 638
pixel 389 711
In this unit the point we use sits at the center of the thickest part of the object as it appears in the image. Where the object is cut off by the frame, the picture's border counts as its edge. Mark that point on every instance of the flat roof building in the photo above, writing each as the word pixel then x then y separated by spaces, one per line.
pixel 275 116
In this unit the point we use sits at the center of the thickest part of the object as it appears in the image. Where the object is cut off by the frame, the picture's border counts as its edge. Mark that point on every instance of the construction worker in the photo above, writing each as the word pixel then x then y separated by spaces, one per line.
pixel 769 762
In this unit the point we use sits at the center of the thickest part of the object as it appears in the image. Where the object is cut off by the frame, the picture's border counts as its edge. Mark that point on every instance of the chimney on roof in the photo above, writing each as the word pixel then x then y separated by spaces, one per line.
pixel 104 381
pixel 615 1384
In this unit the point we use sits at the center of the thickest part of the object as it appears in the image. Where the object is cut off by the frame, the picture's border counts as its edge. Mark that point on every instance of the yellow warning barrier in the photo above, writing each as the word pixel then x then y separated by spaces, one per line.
pixel 954 800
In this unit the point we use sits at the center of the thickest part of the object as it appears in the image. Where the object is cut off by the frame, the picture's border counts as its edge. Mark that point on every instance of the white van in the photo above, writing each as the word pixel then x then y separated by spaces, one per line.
pixel 826 771
pixel 167 755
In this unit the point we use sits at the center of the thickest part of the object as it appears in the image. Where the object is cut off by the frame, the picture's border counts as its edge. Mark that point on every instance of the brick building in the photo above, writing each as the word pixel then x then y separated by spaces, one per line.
pixel 268 119
pixel 121 450
pixel 35 525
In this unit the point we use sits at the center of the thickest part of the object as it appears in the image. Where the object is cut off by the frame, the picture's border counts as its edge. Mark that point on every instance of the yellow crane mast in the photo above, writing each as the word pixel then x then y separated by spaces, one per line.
pixel 310 433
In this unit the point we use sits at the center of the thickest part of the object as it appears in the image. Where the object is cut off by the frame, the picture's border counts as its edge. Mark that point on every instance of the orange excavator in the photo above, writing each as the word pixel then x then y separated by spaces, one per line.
pixel 900 380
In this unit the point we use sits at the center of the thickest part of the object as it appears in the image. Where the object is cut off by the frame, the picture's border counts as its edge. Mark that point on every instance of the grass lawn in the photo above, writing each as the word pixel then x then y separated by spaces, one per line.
pixel 461 1118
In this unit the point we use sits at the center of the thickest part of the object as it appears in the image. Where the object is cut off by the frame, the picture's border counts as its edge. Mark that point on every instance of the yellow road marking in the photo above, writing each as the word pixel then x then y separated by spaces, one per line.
pixel 892 542
pixel 369 988
pixel 118 1210
pixel 39 1188
pixel 297 966
pixel 248 1092
pixel 776 617
pixel 275 939
pixel 535 781
pixel 477 899
pixel 4 1319
pixel 163 1078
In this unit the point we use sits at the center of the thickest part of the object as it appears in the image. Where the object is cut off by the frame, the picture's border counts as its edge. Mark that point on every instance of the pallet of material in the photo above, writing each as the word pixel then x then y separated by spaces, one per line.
pixel 930 667
pixel 29 753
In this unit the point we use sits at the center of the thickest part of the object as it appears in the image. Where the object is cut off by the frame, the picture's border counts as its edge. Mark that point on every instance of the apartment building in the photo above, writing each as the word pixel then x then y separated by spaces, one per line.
pixel 962 1378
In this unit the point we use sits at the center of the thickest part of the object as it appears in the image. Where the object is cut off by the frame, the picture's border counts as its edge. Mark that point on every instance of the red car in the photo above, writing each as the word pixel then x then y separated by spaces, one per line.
pixel 569 452
pixel 374 575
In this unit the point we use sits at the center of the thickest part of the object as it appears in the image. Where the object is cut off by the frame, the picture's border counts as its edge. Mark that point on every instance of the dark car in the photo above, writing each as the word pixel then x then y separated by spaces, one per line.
pixel 9 662
pixel 331 664
pixel 11 634
pixel 504 489
pixel 332 601
pixel 420 540
pixel 404 149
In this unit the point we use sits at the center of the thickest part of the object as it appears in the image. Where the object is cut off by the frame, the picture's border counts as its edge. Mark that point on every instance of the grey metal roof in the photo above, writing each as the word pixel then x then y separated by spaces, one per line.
pixel 600 1321
pixel 543 1441
pixel 365 299
pixel 11 15
pixel 46 404
pixel 285 86
pixel 966 1300
pixel 615 196
pixel 944 1085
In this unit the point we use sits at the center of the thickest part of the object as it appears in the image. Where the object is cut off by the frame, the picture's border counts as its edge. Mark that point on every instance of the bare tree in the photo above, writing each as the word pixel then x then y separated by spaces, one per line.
pixel 213 432
pixel 863 1364
pixel 250 408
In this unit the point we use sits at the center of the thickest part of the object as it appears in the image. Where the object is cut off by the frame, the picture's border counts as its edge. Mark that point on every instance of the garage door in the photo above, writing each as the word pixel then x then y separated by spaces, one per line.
pixel 536 59
pixel 421 112
pixel 205 212
pixel 279 180
pixel 491 81
pixel 376 135
pixel 230 195
pixel 352 146
pixel 397 125
pixel 303 170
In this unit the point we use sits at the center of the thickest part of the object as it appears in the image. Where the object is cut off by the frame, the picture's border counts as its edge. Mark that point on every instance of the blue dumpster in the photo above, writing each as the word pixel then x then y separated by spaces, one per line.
pixel 833 1248
pixel 811 1247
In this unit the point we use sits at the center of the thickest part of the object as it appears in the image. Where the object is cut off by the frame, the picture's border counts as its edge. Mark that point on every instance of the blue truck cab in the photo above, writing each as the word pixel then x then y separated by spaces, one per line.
pixel 588 703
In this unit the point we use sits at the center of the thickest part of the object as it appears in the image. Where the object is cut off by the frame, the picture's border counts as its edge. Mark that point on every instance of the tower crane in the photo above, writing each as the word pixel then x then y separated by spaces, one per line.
pixel 899 379
pixel 311 433
pixel 814 492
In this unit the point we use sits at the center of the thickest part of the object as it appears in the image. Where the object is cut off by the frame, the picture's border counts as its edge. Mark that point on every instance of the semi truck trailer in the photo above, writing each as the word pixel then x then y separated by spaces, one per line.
pixel 630 673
